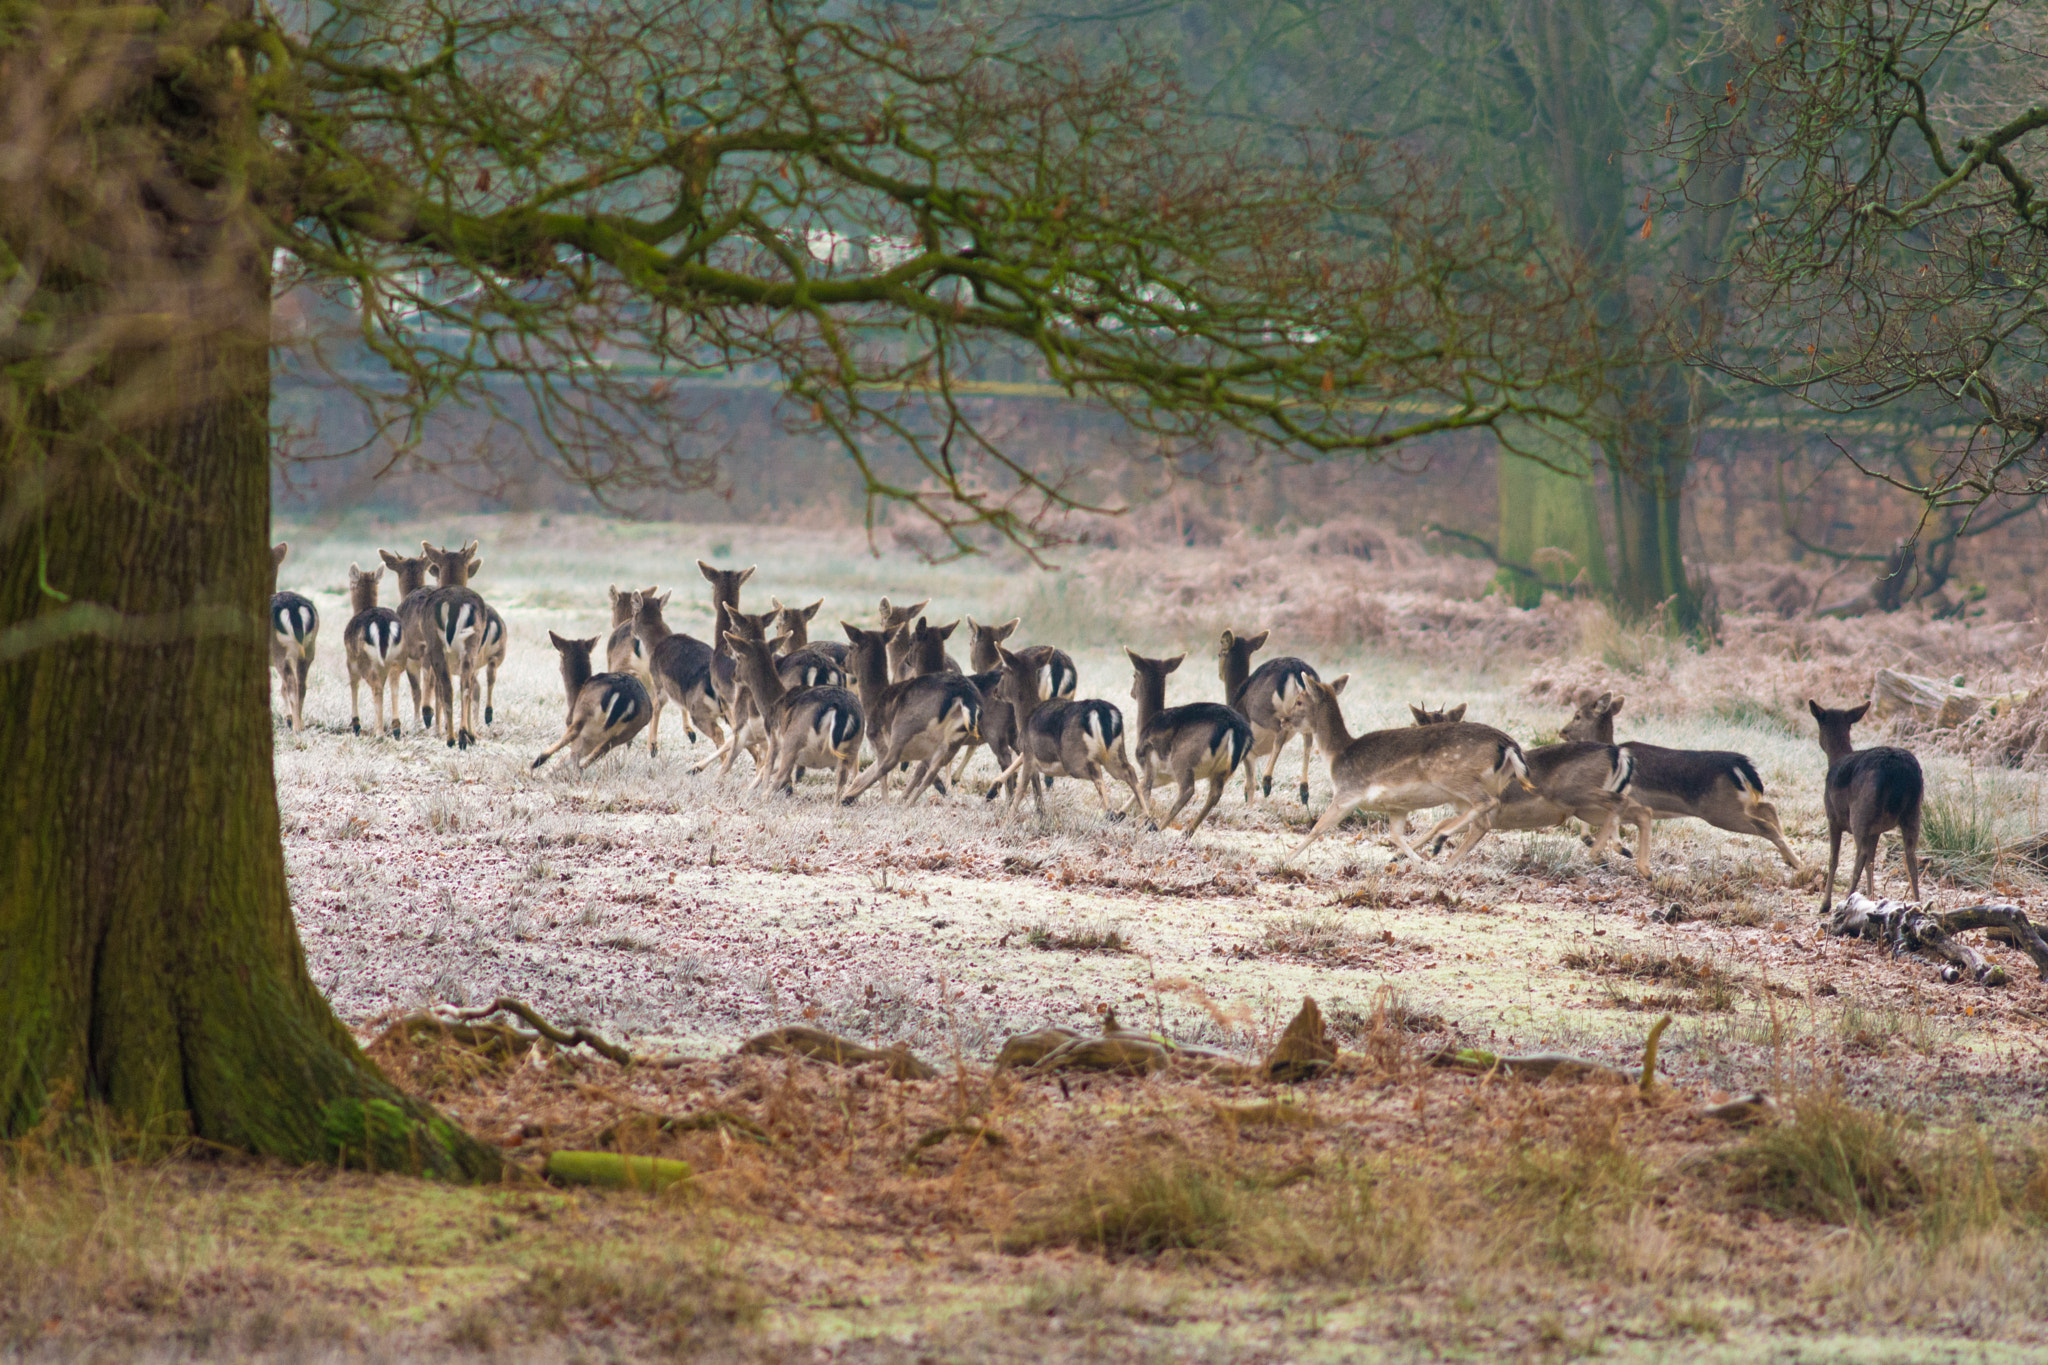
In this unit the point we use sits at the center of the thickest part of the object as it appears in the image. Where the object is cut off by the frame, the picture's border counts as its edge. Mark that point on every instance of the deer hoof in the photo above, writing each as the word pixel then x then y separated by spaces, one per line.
pixel 1266 786
pixel 798 778
pixel 426 715
pixel 395 731
pixel 1116 817
pixel 451 743
pixel 487 715
pixel 1304 793
pixel 355 723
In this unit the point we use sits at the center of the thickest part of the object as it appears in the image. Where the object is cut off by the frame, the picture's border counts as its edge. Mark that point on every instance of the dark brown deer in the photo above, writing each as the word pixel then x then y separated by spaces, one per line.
pixel 456 619
pixel 927 718
pixel 373 643
pixel 725 598
pixel 1869 791
pixel 804 727
pixel 1273 699
pixel 294 630
pixel 623 652
pixel 1198 742
pixel 680 667
pixel 605 709
pixel 1078 739
pixel 1717 786
pixel 410 575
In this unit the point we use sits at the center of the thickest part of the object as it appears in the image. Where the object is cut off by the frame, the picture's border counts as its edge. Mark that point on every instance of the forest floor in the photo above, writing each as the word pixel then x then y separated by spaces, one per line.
pixel 1389 1210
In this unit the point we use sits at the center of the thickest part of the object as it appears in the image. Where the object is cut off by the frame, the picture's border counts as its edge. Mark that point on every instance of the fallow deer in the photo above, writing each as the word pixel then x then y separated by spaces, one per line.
pixel 1717 786
pixel 1273 700
pixel 490 655
pixel 1398 772
pixel 623 652
pixel 927 718
pixel 410 574
pixel 294 630
pixel 605 709
pixel 805 727
pixel 794 625
pixel 998 720
pixel 896 619
pixel 1198 742
pixel 373 643
pixel 680 666
pixel 1868 792
pixel 725 598
pixel 455 617
pixel 1078 739
pixel 1574 779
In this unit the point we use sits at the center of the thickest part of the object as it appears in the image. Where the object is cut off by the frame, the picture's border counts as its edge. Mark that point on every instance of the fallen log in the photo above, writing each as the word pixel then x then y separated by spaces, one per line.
pixel 1906 928
pixel 821 1046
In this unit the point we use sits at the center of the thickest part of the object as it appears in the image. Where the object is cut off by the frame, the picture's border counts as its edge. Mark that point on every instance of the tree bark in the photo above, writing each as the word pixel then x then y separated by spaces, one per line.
pixel 149 961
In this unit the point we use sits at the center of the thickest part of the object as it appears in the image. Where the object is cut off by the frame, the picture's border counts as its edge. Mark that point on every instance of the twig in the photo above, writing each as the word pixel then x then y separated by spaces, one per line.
pixel 568 1038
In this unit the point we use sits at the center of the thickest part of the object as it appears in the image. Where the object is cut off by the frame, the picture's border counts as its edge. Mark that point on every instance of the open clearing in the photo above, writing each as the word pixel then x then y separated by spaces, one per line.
pixel 1390 1211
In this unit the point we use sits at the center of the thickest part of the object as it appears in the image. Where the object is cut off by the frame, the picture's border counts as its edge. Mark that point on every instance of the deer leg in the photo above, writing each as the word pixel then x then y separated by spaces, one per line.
pixel 377 701
pixel 1332 816
pixel 355 703
pixel 878 771
pixel 411 666
pixel 1909 836
pixel 1216 786
pixel 568 735
pixel 1308 753
pixel 654 725
pixel 1827 895
pixel 491 693
pixel 1476 830
pixel 926 771
pixel 1272 762
pixel 1866 857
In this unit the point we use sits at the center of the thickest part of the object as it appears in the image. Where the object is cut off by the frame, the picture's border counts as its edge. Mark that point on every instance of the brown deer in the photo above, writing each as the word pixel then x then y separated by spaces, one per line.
pixel 1868 792
pixel 927 718
pixel 373 644
pixel 794 625
pixel 725 598
pixel 456 617
pixel 605 709
pixel 805 727
pixel 490 655
pixel 410 574
pixel 623 652
pixel 1274 700
pixel 680 666
pixel 294 630
pixel 1078 739
pixel 1570 780
pixel 1198 742
pixel 896 619
pixel 1399 772
pixel 1717 786
pixel 998 718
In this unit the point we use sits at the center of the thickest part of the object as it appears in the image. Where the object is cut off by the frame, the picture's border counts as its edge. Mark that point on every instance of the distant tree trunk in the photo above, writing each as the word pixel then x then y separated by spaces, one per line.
pixel 1546 507
pixel 149 962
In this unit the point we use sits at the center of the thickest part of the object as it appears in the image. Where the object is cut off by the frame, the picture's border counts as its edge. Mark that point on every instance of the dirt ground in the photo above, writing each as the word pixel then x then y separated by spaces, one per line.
pixel 1393 1211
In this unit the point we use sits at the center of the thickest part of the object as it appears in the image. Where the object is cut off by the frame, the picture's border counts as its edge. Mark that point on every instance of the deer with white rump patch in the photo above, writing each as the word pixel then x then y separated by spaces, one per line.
pixel 623 652
pixel 926 718
pixel 1273 700
pixel 1078 739
pixel 1397 772
pixel 679 667
pixel 294 630
pixel 456 619
pixel 804 727
pixel 410 573
pixel 1717 786
pixel 373 643
pixel 605 709
pixel 1571 780
pixel 1198 742
pixel 1869 791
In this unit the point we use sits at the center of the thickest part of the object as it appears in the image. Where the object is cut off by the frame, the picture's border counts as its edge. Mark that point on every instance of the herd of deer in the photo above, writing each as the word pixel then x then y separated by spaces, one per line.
pixel 762 687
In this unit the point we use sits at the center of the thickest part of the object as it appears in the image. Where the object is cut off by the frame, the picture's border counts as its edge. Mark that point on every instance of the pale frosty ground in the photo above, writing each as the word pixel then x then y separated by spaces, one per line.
pixel 680 912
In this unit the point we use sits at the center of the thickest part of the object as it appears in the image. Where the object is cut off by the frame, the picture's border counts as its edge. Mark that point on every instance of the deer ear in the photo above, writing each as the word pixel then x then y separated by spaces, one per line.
pixel 746 573
pixel 389 558
pixel 812 610
pixel 278 552
pixel 1456 713
pixel 853 633
pixel 1255 643
pixel 476 566
pixel 710 574
pixel 1003 632
pixel 1225 641
pixel 1009 660
pixel 1815 707
pixel 560 643
pixel 1421 716
pixel 612 592
pixel 1336 684
pixel 1168 665
pixel 1858 713
pixel 1614 706
pixel 945 631
pixel 1135 657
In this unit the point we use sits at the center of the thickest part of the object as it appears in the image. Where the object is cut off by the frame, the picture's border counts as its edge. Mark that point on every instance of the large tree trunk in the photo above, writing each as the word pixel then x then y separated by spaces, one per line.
pixel 149 962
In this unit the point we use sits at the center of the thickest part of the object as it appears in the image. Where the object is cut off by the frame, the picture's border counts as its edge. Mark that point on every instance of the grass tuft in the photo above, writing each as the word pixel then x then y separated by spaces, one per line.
pixel 1834 1161
pixel 1141 1209
pixel 1088 938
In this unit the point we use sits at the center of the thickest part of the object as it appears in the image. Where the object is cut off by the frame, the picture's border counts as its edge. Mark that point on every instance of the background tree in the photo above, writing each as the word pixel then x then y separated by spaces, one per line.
pixel 1895 247
pixel 542 191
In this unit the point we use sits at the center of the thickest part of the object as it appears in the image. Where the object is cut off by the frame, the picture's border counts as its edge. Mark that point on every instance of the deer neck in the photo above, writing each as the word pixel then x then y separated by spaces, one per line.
pixel 723 604
pixel 1836 745
pixel 649 626
pixel 1151 698
pixel 757 670
pixel 1327 721
pixel 411 578
pixel 1236 671
pixel 575 673
pixel 362 596
pixel 870 665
